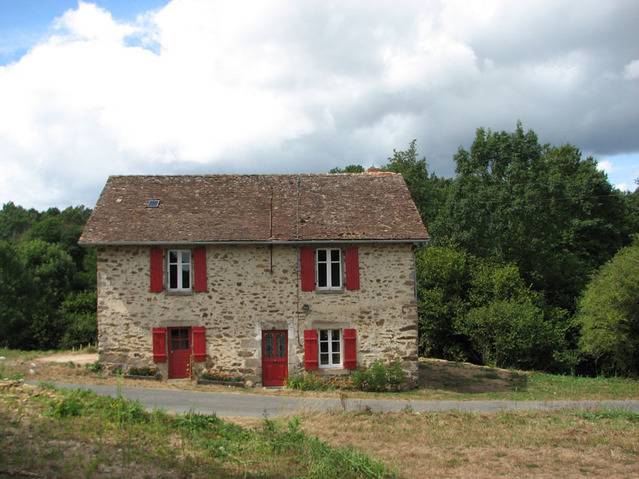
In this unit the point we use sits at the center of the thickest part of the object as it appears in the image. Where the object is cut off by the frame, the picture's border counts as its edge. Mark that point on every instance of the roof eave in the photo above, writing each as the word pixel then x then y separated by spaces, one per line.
pixel 251 242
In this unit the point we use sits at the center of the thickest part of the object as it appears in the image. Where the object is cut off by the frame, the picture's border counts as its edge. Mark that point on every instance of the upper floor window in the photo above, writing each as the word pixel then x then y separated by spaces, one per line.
pixel 179 270
pixel 329 268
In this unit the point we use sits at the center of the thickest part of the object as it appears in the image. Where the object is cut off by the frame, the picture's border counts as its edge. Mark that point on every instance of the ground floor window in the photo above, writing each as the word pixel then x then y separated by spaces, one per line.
pixel 330 348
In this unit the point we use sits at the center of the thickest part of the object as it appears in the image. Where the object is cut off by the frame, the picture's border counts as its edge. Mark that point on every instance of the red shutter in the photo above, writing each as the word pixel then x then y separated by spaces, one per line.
pixel 307 267
pixel 352 268
pixel 310 349
pixel 199 343
pixel 159 345
pixel 350 349
pixel 157 270
pixel 199 273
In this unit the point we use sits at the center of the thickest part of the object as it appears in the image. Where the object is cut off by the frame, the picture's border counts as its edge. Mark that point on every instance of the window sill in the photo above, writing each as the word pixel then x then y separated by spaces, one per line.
pixel 330 291
pixel 179 293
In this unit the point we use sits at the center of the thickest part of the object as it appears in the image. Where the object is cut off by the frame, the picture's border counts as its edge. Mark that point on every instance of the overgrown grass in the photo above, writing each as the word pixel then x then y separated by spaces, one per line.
pixel 119 431
pixel 567 443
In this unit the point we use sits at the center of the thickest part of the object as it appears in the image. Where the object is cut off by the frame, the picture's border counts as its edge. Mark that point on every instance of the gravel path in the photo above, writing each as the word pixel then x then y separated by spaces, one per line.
pixel 254 405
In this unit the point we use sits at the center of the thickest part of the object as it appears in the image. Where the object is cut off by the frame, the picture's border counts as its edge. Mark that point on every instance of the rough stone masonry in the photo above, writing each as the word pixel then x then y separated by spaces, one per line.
pixel 256 287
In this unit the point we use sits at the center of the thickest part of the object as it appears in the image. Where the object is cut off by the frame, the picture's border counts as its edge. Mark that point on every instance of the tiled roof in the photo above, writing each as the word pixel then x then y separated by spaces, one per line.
pixel 254 208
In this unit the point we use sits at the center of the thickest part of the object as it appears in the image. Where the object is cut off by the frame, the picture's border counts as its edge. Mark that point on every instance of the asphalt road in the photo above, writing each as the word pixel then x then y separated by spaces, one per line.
pixel 256 405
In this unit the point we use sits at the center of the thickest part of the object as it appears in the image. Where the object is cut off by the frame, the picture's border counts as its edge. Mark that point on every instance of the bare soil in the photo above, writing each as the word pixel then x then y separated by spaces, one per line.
pixel 80 359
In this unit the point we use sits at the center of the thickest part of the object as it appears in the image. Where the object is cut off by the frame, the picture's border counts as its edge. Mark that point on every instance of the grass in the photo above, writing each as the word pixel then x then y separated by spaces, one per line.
pixel 450 380
pixel 567 444
pixel 79 434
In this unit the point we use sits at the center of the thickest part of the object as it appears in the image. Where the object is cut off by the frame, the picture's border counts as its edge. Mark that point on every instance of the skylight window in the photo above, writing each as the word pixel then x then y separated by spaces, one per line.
pixel 152 203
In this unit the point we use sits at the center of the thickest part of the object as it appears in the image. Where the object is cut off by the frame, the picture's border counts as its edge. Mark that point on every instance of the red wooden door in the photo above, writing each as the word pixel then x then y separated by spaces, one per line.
pixel 274 357
pixel 179 353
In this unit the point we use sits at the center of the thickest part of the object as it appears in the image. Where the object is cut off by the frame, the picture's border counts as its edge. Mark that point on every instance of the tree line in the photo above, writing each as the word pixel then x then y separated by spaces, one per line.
pixel 533 262
pixel 47 281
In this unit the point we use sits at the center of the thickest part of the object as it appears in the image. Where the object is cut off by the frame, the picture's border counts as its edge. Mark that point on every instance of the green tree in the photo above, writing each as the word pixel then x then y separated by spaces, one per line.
pixel 348 169
pixel 427 189
pixel 78 312
pixel 609 314
pixel 51 271
pixel 543 208
pixel 14 298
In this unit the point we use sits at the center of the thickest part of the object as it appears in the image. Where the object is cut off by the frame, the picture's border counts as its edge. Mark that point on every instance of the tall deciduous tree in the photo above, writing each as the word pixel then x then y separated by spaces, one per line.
pixel 545 208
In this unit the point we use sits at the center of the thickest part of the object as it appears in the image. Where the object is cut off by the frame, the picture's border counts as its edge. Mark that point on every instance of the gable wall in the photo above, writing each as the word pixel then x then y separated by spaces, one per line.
pixel 245 296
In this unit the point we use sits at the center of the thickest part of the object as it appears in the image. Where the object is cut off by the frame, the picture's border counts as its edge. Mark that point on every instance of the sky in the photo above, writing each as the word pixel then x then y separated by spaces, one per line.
pixel 92 89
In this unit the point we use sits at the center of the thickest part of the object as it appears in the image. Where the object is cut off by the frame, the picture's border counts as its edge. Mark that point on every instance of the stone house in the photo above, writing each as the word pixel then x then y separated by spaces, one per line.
pixel 259 276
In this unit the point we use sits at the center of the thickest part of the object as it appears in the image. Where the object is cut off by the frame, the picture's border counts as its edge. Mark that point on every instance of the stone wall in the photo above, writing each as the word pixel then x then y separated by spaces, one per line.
pixel 252 288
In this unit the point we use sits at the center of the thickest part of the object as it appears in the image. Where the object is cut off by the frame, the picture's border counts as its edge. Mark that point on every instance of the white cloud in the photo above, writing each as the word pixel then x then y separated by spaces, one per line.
pixel 622 186
pixel 606 166
pixel 207 86
pixel 631 70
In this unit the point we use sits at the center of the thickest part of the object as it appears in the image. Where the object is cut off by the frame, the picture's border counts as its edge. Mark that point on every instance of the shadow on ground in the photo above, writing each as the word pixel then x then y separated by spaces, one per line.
pixel 468 378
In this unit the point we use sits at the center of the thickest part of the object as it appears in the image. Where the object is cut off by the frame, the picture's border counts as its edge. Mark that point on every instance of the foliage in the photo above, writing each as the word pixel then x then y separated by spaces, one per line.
pixel 78 311
pixel 143 371
pixel 348 169
pixel 314 382
pixel 427 189
pixel 47 281
pixel 609 314
pixel 544 208
pixel 512 334
pixel 214 375
pixel 380 377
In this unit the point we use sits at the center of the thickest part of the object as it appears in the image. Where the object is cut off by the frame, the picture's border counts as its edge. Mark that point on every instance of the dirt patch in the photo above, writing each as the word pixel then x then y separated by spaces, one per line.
pixel 80 359
pixel 468 378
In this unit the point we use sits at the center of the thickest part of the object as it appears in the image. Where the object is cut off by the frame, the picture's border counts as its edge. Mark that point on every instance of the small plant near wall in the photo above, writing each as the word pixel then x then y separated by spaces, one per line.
pixel 315 382
pixel 210 376
pixel 143 373
pixel 380 377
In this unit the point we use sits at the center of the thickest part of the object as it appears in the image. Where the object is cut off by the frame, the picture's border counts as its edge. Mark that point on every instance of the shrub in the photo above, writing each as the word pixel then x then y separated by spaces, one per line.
pixel 95 367
pixel 315 382
pixel 512 334
pixel 144 371
pixel 307 382
pixel 380 377
pixel 211 375
pixel 608 314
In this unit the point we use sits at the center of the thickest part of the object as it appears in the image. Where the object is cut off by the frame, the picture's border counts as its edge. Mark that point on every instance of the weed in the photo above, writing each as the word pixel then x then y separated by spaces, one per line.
pixel 307 382
pixel 380 377
pixel 95 367
pixel 610 414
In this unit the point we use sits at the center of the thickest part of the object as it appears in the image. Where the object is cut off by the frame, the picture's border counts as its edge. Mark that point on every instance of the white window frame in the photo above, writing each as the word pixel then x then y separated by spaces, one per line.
pixel 180 262
pixel 329 262
pixel 331 364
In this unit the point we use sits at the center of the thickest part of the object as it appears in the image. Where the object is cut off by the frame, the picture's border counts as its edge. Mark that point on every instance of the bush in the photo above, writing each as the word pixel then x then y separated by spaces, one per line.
pixel 512 334
pixel 608 314
pixel 380 377
pixel 211 375
pixel 145 372
pixel 78 311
